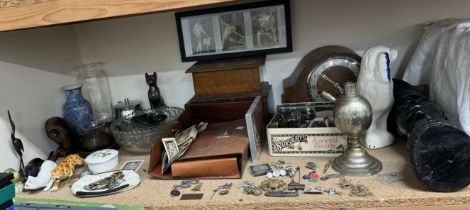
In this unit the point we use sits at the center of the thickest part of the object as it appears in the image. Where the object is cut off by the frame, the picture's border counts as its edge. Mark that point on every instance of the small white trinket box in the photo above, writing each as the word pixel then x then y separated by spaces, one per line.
pixel 102 160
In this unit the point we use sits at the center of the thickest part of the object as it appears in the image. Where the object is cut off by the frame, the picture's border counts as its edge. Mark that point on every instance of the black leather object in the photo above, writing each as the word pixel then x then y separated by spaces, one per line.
pixel 439 152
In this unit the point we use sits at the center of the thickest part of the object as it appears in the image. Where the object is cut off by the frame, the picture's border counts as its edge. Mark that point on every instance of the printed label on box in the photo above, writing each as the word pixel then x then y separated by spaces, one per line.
pixel 328 143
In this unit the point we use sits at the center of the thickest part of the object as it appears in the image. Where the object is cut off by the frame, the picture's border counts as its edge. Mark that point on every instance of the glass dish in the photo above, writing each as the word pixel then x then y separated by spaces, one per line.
pixel 136 136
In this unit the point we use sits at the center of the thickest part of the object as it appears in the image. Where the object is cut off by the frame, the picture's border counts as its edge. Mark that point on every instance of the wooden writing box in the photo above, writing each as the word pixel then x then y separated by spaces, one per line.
pixel 257 116
pixel 212 113
pixel 219 109
pixel 265 93
pixel 229 76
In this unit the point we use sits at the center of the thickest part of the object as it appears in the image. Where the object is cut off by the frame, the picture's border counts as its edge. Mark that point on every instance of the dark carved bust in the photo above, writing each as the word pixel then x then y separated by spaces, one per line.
pixel 155 98
pixel 59 131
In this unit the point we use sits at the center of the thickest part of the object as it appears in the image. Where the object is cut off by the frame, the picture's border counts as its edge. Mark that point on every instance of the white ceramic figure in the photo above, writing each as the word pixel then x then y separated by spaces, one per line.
pixel 43 178
pixel 376 85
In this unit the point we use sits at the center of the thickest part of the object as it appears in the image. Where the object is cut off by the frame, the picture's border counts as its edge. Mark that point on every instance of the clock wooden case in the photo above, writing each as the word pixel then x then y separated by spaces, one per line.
pixel 323 69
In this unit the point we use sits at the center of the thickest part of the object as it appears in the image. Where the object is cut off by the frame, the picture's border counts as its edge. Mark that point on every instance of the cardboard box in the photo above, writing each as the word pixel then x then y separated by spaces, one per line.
pixel 285 140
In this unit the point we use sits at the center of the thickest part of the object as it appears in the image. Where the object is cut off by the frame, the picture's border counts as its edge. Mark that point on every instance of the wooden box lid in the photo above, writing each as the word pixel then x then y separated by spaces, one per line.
pixel 227 64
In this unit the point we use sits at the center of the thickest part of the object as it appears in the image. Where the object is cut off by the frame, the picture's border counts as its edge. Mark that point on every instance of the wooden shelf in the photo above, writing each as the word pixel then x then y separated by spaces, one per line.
pixel 21 14
pixel 407 193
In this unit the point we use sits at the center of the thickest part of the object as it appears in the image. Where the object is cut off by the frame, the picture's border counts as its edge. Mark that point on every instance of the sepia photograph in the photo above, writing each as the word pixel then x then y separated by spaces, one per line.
pixel 257 28
pixel 132 165
pixel 171 147
pixel 232 31
pixel 202 35
pixel 265 28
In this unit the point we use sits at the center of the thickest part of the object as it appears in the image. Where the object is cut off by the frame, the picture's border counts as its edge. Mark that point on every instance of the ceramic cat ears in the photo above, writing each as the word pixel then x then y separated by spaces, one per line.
pixel 154 74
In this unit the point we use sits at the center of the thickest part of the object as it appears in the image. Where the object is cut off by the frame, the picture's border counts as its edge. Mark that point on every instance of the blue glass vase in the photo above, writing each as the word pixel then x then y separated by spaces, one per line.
pixel 77 110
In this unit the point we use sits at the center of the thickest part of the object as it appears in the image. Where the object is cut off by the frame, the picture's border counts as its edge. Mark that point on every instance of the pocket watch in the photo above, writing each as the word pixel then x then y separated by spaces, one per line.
pixel 329 76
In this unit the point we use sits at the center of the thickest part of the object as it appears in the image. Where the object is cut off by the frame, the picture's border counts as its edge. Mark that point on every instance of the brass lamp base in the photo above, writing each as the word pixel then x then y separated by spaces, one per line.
pixel 357 162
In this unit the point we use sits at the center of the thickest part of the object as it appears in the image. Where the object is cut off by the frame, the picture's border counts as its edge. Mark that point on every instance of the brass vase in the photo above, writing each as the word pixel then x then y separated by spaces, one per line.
pixel 353 116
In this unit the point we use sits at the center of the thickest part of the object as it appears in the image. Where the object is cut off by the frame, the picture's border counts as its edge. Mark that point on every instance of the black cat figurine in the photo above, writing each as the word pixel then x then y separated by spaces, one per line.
pixel 155 98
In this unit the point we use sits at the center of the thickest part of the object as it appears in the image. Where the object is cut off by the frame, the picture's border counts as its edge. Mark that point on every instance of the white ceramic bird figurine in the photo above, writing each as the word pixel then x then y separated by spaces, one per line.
pixel 375 84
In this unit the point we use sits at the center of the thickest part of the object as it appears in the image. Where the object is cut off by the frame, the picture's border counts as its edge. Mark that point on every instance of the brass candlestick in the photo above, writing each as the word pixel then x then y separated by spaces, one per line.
pixel 353 116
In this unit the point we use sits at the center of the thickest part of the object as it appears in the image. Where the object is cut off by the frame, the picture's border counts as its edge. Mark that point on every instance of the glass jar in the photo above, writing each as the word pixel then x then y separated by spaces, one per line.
pixel 96 90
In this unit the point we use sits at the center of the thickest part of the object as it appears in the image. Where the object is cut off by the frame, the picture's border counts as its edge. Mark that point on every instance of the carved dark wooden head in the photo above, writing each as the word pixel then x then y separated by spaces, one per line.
pixel 59 131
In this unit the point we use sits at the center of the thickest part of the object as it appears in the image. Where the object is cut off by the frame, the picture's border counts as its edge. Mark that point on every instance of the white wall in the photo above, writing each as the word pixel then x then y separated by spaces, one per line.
pixel 131 46
pixel 134 45
pixel 53 49
pixel 32 96
pixel 175 86
pixel 30 93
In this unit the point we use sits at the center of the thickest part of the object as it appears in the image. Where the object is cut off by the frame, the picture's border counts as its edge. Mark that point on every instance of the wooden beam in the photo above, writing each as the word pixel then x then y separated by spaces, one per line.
pixel 51 12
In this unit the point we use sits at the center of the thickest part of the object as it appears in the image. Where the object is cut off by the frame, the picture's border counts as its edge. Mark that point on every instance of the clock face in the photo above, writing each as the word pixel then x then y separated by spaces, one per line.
pixel 330 75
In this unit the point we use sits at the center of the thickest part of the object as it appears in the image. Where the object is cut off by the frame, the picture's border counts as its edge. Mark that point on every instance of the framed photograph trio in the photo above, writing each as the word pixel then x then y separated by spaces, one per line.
pixel 233 31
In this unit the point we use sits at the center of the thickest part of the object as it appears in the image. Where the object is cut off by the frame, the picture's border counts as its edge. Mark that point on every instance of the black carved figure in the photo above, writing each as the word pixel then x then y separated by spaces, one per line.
pixel 155 98
pixel 17 143
pixel 438 150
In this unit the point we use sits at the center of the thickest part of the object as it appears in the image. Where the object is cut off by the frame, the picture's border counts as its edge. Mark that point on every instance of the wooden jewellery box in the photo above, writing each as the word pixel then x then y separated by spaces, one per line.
pixel 228 76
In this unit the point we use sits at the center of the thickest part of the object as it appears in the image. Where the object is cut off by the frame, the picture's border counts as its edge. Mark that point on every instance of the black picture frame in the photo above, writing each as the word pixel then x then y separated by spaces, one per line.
pixel 234 31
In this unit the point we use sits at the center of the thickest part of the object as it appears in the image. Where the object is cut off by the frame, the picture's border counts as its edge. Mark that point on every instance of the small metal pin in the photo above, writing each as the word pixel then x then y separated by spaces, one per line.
pixel 331 176
pixel 327 166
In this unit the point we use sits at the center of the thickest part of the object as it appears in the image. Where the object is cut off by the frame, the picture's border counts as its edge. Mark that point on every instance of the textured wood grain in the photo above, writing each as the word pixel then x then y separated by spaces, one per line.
pixel 227 64
pixel 31 13
pixel 243 80
pixel 16 3
pixel 227 76
pixel 295 86
pixel 265 93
